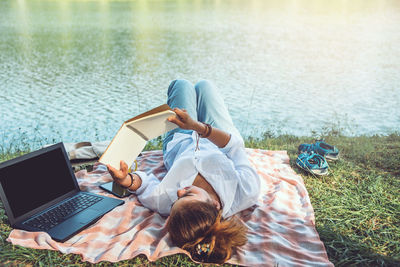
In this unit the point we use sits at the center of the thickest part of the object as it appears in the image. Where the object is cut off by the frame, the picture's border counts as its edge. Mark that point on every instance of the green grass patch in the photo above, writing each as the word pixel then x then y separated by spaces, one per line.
pixel 357 206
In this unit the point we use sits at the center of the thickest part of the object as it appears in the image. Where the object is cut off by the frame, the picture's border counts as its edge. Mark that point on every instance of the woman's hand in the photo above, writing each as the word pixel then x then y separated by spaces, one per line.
pixel 120 176
pixel 184 121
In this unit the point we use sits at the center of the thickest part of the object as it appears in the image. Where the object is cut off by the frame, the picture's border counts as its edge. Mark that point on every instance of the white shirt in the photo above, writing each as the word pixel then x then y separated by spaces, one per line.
pixel 226 169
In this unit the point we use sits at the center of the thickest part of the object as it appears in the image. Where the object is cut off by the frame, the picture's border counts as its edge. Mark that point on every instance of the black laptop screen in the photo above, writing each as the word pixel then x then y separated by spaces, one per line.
pixel 36 181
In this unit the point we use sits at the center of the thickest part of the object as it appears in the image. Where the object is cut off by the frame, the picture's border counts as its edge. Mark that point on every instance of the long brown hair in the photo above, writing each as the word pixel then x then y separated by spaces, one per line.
pixel 199 225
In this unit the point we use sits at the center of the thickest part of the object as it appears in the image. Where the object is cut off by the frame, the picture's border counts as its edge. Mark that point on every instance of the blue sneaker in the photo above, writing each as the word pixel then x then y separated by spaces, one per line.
pixel 322 148
pixel 313 163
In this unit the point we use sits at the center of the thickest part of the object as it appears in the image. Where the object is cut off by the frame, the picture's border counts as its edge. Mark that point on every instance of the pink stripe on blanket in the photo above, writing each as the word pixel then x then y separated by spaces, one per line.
pixel 281 227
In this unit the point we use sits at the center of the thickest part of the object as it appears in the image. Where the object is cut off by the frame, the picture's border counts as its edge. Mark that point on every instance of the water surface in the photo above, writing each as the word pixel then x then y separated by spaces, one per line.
pixel 75 70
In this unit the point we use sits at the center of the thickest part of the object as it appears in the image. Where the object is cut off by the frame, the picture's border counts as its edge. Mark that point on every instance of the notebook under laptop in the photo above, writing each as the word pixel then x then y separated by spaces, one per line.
pixel 39 188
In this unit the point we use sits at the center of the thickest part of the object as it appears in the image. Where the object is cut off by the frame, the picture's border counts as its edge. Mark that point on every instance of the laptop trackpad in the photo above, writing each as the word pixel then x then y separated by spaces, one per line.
pixel 87 216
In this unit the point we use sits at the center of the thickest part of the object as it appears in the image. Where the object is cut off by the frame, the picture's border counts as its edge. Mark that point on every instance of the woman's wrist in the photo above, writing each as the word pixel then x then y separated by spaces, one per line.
pixel 134 182
pixel 207 130
pixel 124 182
pixel 201 128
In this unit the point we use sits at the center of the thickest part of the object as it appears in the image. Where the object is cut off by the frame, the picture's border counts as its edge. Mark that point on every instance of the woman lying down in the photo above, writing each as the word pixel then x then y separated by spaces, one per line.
pixel 209 177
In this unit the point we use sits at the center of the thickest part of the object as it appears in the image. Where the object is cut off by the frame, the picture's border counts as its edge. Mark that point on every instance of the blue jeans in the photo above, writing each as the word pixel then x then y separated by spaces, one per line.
pixel 202 102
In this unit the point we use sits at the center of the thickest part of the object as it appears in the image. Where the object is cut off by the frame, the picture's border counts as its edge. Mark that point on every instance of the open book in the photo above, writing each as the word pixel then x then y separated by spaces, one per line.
pixel 134 134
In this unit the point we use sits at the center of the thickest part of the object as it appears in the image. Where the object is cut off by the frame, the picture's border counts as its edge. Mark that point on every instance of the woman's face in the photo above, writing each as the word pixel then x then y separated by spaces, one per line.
pixel 189 194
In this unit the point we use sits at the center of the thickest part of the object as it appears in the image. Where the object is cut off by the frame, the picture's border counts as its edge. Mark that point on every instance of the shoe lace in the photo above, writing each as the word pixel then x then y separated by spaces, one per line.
pixel 316 160
pixel 309 149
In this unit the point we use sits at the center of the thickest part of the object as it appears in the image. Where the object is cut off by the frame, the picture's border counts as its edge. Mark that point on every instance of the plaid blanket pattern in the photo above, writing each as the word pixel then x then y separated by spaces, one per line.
pixel 281 227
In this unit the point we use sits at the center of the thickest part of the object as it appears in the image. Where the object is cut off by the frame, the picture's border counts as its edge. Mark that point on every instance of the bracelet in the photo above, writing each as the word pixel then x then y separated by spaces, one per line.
pixel 132 180
pixel 208 131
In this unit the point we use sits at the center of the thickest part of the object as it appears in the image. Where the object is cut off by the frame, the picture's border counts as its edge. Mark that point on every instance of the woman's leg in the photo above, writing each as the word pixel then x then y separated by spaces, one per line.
pixel 211 108
pixel 181 94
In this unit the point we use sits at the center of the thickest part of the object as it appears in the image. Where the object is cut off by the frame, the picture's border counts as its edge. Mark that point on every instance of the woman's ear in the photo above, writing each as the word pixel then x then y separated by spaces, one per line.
pixel 216 204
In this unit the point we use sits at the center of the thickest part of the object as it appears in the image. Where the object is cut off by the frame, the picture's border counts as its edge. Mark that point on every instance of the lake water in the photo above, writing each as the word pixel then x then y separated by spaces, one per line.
pixel 75 70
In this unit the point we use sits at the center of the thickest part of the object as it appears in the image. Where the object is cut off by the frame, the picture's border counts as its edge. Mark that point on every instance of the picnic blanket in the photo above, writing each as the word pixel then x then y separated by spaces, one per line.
pixel 281 229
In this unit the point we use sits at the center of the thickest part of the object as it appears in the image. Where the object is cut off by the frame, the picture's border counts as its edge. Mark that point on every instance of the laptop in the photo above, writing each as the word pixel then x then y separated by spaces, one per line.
pixel 40 193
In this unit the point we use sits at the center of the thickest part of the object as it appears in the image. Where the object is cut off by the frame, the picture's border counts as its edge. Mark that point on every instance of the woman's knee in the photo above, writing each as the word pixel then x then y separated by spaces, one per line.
pixel 180 84
pixel 203 86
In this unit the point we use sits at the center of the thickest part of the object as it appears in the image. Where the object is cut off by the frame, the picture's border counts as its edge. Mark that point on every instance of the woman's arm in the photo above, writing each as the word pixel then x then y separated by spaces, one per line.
pixel 184 121
pixel 121 177
pixel 146 187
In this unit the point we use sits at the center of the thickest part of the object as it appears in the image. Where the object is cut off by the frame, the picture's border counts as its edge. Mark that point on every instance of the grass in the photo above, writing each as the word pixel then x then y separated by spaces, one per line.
pixel 357 206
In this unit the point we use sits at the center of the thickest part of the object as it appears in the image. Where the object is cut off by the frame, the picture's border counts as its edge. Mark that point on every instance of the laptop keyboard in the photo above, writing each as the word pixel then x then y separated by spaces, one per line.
pixel 63 211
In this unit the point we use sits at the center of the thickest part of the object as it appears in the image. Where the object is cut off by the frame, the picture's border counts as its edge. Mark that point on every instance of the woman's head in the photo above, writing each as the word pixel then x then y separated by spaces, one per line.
pixel 197 227
pixel 191 193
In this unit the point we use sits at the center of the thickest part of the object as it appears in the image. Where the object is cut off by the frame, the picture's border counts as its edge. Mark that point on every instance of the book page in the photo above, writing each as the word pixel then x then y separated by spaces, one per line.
pixel 153 111
pixel 126 146
pixel 152 126
pixel 134 134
